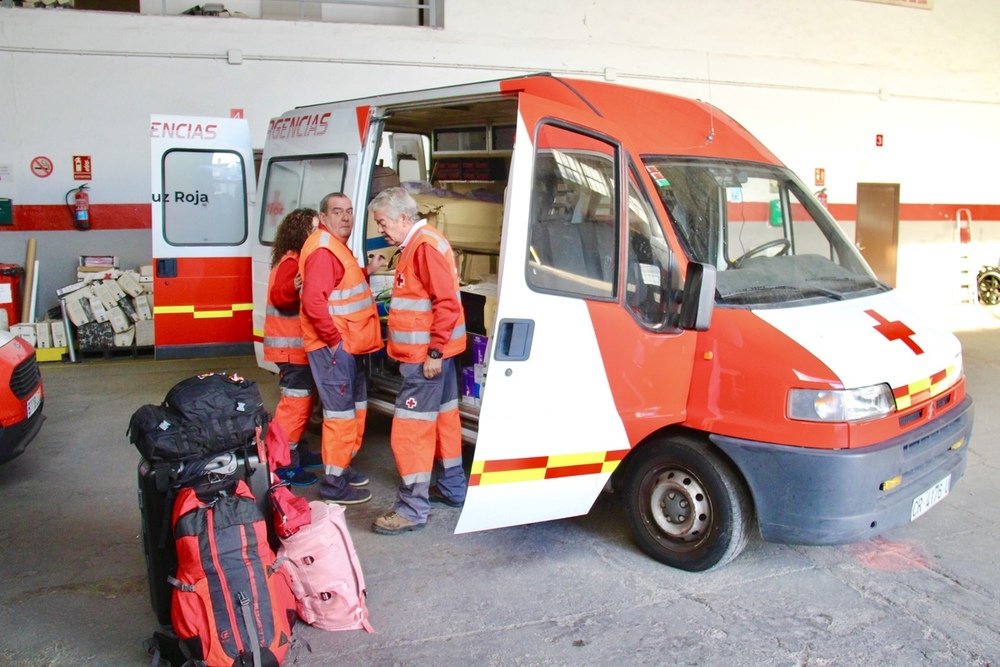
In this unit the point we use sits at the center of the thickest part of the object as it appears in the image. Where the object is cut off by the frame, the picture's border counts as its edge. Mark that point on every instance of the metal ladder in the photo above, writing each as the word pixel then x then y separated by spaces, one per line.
pixel 967 270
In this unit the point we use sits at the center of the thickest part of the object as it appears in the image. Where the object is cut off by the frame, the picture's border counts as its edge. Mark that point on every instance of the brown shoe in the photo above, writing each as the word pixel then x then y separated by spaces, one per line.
pixel 394 524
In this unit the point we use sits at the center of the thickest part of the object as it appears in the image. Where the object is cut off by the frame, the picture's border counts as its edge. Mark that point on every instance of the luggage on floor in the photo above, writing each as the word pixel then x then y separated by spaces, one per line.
pixel 202 415
pixel 157 494
pixel 324 571
pixel 231 606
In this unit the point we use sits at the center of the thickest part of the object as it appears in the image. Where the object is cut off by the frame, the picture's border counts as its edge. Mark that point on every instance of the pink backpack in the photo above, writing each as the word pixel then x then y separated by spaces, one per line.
pixel 324 572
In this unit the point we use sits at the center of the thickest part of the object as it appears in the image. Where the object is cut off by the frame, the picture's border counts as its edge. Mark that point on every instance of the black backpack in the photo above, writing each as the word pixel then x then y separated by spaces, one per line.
pixel 203 415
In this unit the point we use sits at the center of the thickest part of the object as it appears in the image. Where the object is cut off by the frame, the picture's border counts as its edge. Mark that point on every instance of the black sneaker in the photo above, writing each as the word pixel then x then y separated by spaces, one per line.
pixel 438 498
pixel 349 496
pixel 309 459
pixel 354 478
pixel 296 476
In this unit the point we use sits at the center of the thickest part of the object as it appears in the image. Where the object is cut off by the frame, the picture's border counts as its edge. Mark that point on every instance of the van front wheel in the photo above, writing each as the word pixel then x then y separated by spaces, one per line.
pixel 686 506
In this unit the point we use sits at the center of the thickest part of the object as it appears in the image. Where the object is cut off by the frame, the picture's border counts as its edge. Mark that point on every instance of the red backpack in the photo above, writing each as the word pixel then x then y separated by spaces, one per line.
pixel 230 605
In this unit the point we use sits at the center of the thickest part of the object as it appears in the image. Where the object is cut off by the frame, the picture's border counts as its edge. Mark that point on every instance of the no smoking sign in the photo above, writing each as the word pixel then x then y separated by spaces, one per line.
pixel 41 166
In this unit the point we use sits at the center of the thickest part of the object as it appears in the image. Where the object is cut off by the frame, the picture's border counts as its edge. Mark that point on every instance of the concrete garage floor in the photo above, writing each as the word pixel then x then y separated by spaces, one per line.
pixel 73 587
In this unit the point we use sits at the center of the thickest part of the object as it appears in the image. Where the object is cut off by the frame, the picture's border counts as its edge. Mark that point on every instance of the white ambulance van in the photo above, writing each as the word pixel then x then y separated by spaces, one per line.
pixel 656 306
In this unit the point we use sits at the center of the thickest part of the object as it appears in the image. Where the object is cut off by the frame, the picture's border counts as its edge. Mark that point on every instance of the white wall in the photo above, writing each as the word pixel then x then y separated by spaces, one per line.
pixel 815 81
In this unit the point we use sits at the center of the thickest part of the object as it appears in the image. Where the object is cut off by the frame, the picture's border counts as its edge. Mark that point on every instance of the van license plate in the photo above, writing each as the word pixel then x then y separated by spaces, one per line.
pixel 34 402
pixel 930 497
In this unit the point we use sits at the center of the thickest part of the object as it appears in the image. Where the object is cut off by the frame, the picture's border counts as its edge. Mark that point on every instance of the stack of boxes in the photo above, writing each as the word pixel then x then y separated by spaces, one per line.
pixel 473 376
pixel 110 308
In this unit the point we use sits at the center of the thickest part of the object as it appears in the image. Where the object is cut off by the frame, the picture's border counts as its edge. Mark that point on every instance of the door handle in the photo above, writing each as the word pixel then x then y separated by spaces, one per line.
pixel 514 342
pixel 166 268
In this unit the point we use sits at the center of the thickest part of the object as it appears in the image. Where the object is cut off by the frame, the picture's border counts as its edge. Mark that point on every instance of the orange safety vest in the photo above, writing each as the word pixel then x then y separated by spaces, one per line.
pixel 351 304
pixel 282 328
pixel 410 314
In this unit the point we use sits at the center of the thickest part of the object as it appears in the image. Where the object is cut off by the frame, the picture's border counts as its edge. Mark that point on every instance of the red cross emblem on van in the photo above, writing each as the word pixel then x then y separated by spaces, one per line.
pixel 895 330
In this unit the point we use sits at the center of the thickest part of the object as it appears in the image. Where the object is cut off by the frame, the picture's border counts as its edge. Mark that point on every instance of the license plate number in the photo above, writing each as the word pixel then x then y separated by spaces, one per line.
pixel 930 497
pixel 34 402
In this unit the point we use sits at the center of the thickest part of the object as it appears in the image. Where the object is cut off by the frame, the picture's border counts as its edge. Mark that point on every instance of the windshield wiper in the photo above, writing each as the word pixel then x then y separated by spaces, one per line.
pixel 800 290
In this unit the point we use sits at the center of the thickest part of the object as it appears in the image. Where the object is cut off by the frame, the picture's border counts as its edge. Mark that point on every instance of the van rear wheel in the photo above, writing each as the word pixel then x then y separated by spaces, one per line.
pixel 686 506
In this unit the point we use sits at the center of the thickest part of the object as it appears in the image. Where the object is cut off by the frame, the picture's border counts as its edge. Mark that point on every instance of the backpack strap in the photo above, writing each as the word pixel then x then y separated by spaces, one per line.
pixel 180 585
pixel 244 601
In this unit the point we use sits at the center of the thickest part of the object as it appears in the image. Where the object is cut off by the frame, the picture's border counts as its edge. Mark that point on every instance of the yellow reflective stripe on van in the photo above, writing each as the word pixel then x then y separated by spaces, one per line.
pixel 921 390
pixel 537 468
pixel 201 314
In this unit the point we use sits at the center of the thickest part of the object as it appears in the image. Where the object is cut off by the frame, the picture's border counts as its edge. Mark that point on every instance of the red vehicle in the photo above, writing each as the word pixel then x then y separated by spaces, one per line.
pixel 21 395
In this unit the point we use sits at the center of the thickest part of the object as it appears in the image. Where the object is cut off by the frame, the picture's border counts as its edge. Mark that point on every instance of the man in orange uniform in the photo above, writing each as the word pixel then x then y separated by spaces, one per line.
pixel 339 323
pixel 426 333
pixel 283 341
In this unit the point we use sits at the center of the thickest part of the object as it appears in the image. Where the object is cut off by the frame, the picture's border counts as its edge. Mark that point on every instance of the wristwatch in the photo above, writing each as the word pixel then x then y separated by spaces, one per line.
pixel 434 354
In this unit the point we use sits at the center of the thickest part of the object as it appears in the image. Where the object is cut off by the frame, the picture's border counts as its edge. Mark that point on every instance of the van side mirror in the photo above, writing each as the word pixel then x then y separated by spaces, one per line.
pixel 697 297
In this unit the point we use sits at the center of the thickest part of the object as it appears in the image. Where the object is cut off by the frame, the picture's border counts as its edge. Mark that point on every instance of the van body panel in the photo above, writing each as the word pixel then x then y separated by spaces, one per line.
pixel 750 360
pixel 202 181
pixel 811 496
pixel 869 340
pixel 581 377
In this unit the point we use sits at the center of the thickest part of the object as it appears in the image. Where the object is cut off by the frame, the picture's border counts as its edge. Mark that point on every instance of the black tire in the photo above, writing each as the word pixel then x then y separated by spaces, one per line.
pixel 664 482
pixel 989 288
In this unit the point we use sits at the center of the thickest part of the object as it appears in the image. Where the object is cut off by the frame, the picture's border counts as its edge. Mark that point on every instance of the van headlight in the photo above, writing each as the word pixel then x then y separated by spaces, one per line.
pixel 841 405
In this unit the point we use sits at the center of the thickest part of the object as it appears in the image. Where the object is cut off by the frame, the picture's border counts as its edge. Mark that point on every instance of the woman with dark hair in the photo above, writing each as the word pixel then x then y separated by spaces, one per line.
pixel 283 342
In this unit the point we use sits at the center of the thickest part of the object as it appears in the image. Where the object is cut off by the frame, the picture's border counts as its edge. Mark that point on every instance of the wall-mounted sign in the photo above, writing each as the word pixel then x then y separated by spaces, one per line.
pixel 41 166
pixel 820 177
pixel 878 140
pixel 236 113
pixel 81 167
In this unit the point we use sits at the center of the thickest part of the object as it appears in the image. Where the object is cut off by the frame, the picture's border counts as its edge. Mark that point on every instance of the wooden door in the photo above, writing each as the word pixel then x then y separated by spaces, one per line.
pixel 877 228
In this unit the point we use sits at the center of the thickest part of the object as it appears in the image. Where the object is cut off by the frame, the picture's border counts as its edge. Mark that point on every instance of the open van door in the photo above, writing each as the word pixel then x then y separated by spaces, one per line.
pixel 202 179
pixel 309 153
pixel 572 366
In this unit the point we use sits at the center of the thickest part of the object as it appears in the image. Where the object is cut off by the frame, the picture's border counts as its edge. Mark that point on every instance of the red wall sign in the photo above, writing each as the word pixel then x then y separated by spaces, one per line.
pixel 81 167
pixel 820 176
pixel 41 166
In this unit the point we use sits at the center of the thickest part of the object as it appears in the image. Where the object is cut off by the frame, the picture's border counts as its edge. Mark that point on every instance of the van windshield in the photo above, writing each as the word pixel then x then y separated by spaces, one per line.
pixel 771 241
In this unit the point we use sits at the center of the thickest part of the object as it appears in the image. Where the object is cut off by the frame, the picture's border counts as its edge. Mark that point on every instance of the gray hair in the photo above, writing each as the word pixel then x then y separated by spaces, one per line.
pixel 326 200
pixel 395 203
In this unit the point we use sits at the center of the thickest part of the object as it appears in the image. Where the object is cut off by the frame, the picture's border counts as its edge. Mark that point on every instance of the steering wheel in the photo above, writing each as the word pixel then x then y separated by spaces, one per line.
pixel 785 243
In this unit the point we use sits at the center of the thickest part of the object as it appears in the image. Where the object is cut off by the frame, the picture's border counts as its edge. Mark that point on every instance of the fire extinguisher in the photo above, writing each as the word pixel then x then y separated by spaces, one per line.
pixel 821 196
pixel 80 208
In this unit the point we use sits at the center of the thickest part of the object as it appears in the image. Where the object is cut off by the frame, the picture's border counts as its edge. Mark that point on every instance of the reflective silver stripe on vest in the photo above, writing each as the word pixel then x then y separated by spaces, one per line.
pixel 416 478
pixel 296 393
pixel 284 314
pixel 324 238
pixel 338 414
pixel 417 416
pixel 448 406
pixel 410 337
pixel 417 305
pixel 275 341
pixel 344 294
pixel 354 307
pixel 458 332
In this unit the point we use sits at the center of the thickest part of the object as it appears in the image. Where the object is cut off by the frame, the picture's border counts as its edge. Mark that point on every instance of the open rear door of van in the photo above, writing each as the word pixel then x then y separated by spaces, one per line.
pixel 550 426
pixel 309 153
pixel 202 179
